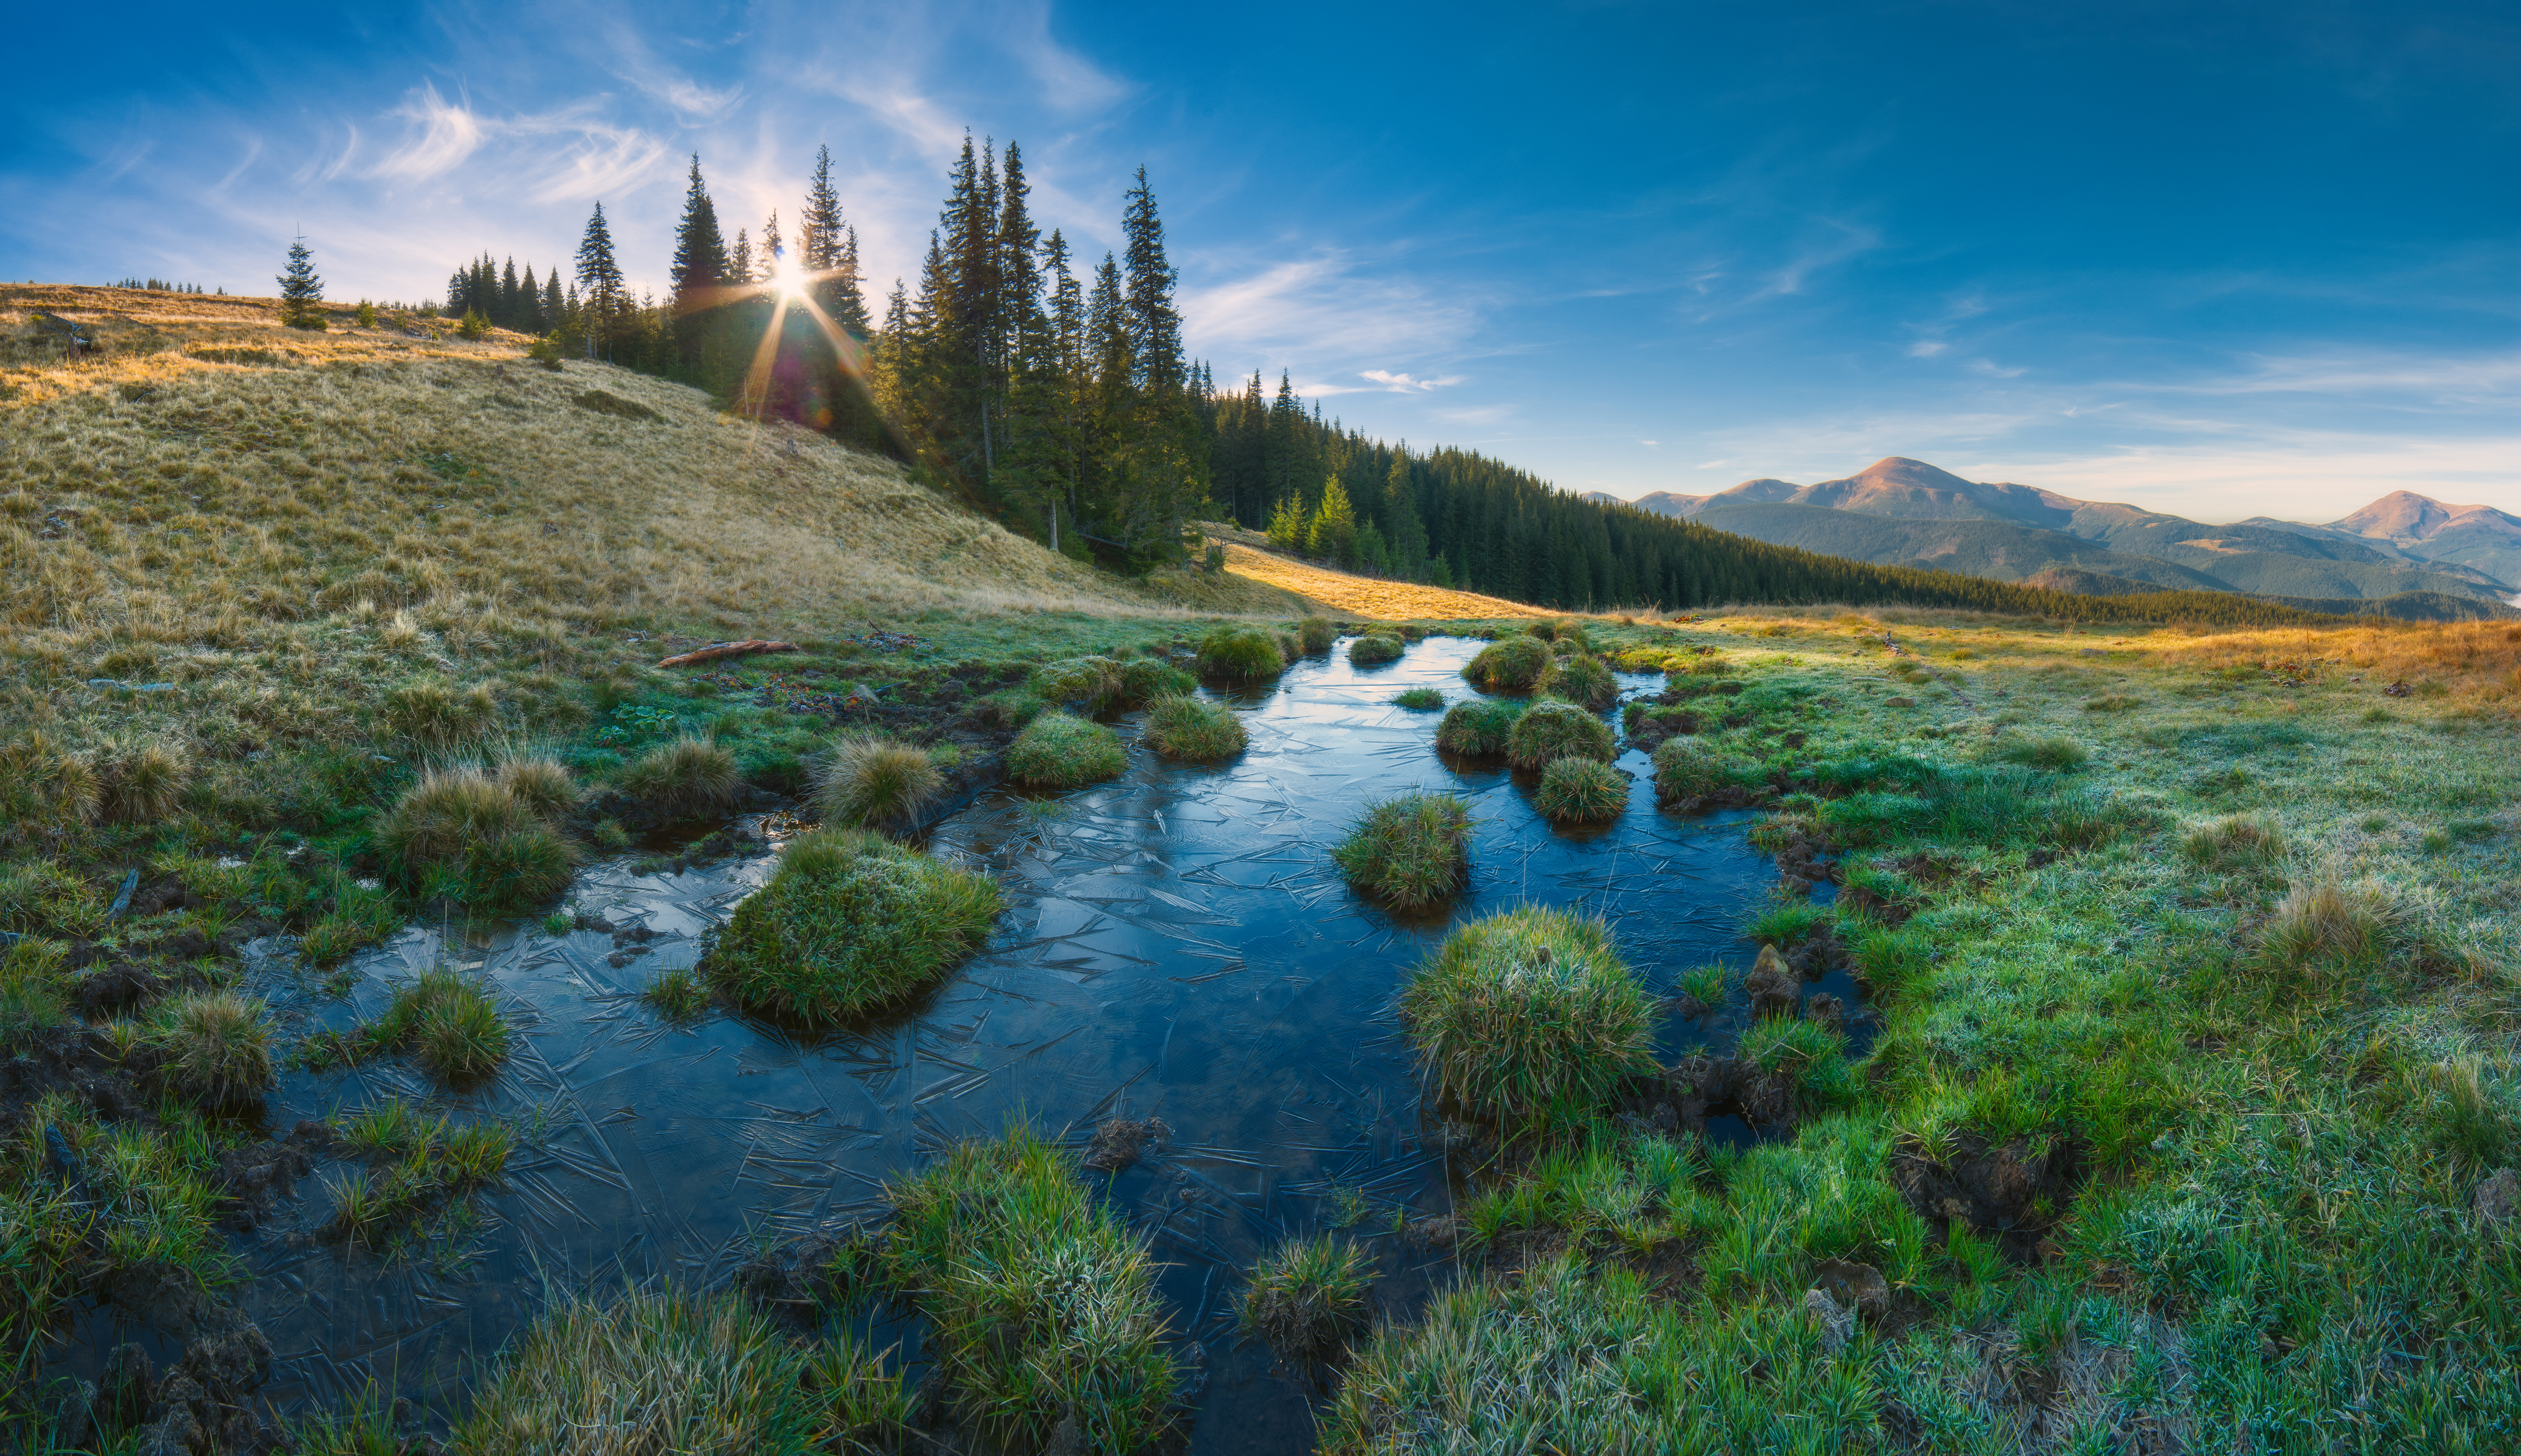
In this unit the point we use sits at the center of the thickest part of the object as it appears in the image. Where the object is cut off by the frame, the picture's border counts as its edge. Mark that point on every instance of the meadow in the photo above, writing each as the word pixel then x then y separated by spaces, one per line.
pixel 2181 1115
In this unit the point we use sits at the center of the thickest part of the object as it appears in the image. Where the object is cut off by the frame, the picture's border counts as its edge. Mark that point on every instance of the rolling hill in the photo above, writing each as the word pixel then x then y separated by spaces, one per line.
pixel 1905 511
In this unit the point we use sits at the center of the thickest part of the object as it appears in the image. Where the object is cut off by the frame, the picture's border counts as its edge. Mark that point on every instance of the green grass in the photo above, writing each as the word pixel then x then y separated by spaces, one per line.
pixel 1410 851
pixel 1315 634
pixel 1058 750
pixel 1419 699
pixel 445 1020
pixel 1527 1019
pixel 469 837
pixel 1042 1305
pixel 688 778
pixel 2051 752
pixel 1146 679
pixel 423 1166
pixel 1375 649
pixel 1581 791
pixel 1511 664
pixel 1583 680
pixel 34 990
pixel 212 1048
pixel 868 781
pixel 1191 729
pixel 1240 655
pixel 1308 1296
pixel 678 995
pixel 1091 684
pixel 1548 732
pixel 671 1372
pixel 1479 728
pixel 850 924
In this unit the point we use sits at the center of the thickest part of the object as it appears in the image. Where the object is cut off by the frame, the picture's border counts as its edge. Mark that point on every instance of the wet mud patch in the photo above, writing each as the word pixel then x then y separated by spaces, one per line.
pixel 2012 1193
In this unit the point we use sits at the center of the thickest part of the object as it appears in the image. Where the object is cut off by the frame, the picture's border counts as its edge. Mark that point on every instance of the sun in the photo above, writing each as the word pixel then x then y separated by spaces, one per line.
pixel 788 278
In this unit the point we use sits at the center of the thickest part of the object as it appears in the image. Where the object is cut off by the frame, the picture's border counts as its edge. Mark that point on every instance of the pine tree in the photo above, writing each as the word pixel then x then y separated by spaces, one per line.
pixel 529 305
pixel 599 278
pixel 699 250
pixel 301 289
pixel 511 307
pixel 772 251
pixel 1332 534
pixel 827 248
pixel 1403 529
pixel 1155 327
pixel 739 263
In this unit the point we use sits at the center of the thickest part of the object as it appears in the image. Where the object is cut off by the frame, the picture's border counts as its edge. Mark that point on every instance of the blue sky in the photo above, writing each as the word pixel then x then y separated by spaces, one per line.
pixel 2213 258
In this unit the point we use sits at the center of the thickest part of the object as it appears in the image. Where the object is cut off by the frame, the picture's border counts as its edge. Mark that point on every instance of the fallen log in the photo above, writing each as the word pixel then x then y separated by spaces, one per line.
pixel 717 650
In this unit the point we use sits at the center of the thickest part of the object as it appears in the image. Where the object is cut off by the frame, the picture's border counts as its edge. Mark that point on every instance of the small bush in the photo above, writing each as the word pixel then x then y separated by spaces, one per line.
pixel 658 1372
pixel 2323 920
pixel 2230 846
pixel 1240 655
pixel 434 716
pixel 1550 731
pixel 1095 683
pixel 1409 850
pixel 1420 699
pixel 1043 1304
pixel 1060 751
pixel 1374 649
pixel 1479 728
pixel 212 1048
pixel 1190 729
pixel 1528 1018
pixel 141 785
pixel 850 923
pixel 1583 680
pixel 689 778
pixel 2057 753
pixel 1308 1298
pixel 868 780
pixel 1579 791
pixel 1513 664
pixel 541 784
pixel 1315 634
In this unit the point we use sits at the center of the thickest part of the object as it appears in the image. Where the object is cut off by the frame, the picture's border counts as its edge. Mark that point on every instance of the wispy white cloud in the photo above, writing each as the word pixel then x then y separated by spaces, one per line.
pixel 448 134
pixel 1405 384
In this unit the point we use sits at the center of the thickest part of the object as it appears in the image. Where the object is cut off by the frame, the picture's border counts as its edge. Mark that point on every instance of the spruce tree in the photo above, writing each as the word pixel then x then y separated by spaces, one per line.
pixel 599 280
pixel 700 249
pixel 739 262
pixel 1155 326
pixel 511 306
pixel 301 289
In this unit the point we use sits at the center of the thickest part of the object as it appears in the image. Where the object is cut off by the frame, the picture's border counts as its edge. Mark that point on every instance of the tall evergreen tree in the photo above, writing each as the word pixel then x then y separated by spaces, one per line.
pixel 1155 326
pixel 602 291
pixel 511 297
pixel 739 259
pixel 700 249
pixel 301 289
pixel 772 249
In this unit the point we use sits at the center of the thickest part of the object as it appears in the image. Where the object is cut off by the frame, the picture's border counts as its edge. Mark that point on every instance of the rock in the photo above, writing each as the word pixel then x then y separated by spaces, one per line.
pixel 1436 1230
pixel 1854 1286
pixel 1775 989
pixel 2498 1200
pixel 1829 1012
pixel 1837 1322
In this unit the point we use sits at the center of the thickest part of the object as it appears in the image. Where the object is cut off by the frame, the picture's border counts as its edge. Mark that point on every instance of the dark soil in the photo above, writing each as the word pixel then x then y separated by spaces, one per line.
pixel 1685 1095
pixel 2013 1193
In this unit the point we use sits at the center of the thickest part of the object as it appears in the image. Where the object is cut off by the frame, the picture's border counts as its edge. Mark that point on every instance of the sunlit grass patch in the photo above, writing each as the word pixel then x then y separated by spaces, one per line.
pixel 1528 1018
pixel 1308 1296
pixel 1191 729
pixel 850 923
pixel 1511 664
pixel 1060 751
pixel 1410 851
pixel 1043 1304
pixel 1479 728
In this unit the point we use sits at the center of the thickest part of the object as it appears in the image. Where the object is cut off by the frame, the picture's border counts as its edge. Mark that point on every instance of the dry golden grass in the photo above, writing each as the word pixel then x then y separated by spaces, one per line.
pixel 211 496
pixel 1365 596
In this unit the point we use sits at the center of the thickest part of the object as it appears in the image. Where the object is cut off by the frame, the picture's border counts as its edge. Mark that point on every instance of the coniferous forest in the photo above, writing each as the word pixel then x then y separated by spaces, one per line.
pixel 1055 393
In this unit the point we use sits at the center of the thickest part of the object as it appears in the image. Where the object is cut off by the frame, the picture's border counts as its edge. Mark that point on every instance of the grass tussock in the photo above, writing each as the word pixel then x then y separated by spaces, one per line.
pixel 1529 1018
pixel 1375 649
pixel 678 994
pixel 1511 664
pixel 1191 729
pixel 1060 751
pixel 1314 635
pixel 688 778
pixel 1419 699
pixel 868 781
pixel 541 784
pixel 1410 851
pixel 1548 732
pixel 141 783
pixel 2324 920
pixel 2237 844
pixel 1043 1304
pixel 1478 729
pixel 852 923
pixel 473 837
pixel 444 1019
pixel 1240 655
pixel 1092 684
pixel 1308 1298
pixel 424 1163
pixel 2058 754
pixel 212 1048
pixel 1583 680
pixel 655 1372
pixel 436 718
pixel 1581 791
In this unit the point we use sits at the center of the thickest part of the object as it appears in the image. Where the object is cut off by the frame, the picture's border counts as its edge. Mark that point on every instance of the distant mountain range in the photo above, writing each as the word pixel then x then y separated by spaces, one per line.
pixel 2404 554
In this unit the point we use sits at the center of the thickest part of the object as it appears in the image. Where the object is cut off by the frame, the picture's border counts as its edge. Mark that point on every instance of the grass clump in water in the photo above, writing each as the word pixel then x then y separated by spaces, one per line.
pixel 1187 728
pixel 689 778
pixel 1513 664
pixel 1060 750
pixel 212 1048
pixel 869 780
pixel 1145 679
pixel 446 1020
pixel 1091 683
pixel 1419 699
pixel 466 836
pixel 678 994
pixel 667 1371
pixel 1315 634
pixel 1548 732
pixel 1306 1298
pixel 1043 1304
pixel 1240 655
pixel 1528 1018
pixel 1409 850
pixel 1582 679
pixel 1581 791
pixel 852 923
pixel 1374 649
pixel 1478 729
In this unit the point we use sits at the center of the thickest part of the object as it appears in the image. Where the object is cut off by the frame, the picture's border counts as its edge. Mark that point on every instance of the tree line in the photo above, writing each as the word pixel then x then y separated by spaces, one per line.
pixel 1057 396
